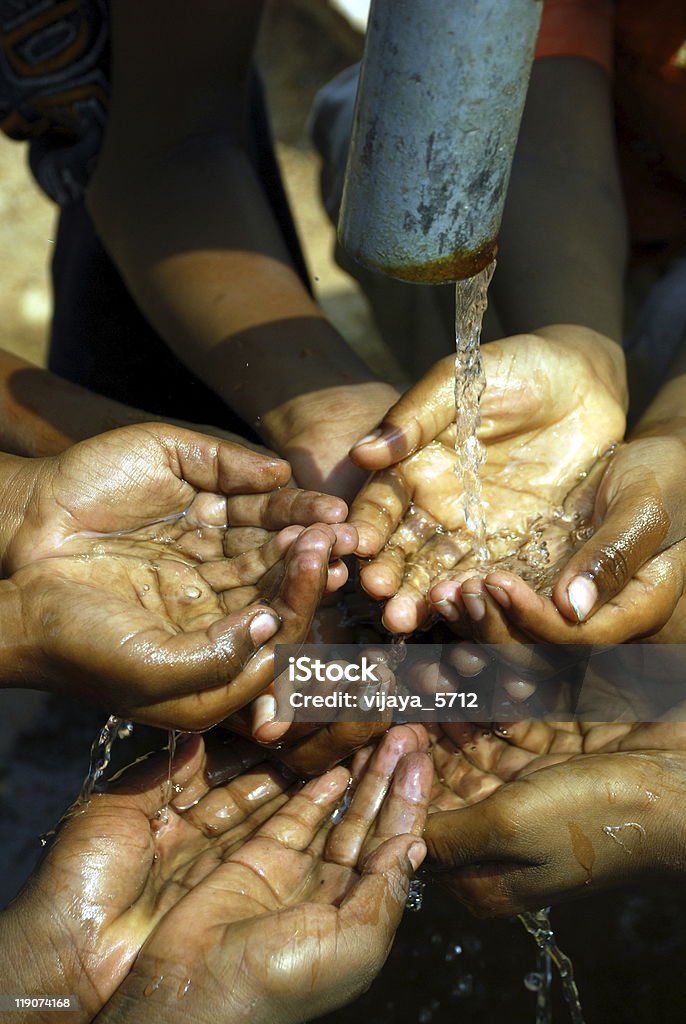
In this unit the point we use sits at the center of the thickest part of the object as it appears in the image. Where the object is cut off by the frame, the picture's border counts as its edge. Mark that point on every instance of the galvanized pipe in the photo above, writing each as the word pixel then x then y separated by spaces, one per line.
pixel 441 95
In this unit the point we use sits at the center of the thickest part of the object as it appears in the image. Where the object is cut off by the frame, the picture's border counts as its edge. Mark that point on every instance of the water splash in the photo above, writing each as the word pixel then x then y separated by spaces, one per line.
pixel 162 815
pixel 101 753
pixel 537 923
pixel 415 895
pixel 470 380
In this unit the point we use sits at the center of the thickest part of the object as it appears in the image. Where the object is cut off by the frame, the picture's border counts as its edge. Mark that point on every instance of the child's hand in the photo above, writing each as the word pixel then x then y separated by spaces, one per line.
pixel 524 817
pixel 156 485
pixel 248 891
pixel 136 572
pixel 554 403
pixel 151 639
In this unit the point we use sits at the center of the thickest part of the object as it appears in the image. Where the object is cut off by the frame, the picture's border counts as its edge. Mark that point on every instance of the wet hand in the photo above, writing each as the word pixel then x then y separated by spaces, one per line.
pixel 153 487
pixel 534 813
pixel 159 642
pixel 315 433
pixel 627 581
pixel 278 913
pixel 553 404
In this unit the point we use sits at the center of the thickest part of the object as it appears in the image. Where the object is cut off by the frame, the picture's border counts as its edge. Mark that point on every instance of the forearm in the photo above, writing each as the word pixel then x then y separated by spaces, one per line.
pixel 563 239
pixel 41 414
pixel 190 230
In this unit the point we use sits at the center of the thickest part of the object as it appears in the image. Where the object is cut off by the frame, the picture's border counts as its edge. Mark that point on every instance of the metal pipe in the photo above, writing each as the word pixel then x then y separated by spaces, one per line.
pixel 441 95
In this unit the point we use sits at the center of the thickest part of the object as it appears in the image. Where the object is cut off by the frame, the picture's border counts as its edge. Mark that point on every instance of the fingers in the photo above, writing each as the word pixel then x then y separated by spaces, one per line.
pixel 634 529
pixel 377 510
pixel 347 838
pixel 285 507
pixel 405 808
pixel 300 819
pixel 640 610
pixel 384 574
pixel 208 464
pixel 415 420
pixel 157 665
pixel 224 808
pixel 300 590
pixel 641 511
pixel 326 747
pixel 379 898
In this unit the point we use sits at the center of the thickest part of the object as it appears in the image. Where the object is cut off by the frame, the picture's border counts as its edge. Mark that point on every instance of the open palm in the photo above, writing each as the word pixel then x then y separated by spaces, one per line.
pixel 550 410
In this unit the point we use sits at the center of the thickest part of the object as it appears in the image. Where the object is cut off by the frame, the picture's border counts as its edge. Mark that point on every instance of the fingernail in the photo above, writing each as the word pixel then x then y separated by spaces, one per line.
pixel 499 594
pixel 475 605
pixel 447 609
pixel 416 855
pixel 519 689
pixel 583 594
pixel 262 627
pixel 373 436
pixel 263 711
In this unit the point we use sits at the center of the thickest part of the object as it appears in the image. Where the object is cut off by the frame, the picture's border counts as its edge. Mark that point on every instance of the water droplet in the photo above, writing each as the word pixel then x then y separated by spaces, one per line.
pixel 193 593
pixel 153 985
pixel 533 981
pixel 415 895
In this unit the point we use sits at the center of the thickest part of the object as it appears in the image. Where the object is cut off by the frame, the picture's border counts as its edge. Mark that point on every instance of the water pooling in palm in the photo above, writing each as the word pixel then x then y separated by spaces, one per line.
pixel 548 414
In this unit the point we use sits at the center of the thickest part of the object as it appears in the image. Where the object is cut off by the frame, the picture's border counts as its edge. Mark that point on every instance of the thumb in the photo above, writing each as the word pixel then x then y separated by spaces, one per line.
pixel 634 527
pixel 381 893
pixel 417 418
pixel 469 835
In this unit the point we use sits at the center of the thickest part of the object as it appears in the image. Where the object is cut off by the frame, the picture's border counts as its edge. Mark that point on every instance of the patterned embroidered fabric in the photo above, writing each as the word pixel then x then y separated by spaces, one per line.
pixel 54 71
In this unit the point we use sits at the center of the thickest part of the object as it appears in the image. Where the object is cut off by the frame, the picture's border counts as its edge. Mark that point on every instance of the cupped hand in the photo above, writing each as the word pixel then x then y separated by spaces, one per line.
pixel 553 404
pixel 156 486
pixel 293 918
pixel 157 642
pixel 533 813
pixel 227 879
pixel 625 583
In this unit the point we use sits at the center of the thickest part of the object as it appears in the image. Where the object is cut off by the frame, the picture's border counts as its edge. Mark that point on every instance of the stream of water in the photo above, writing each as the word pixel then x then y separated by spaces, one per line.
pixel 537 923
pixel 471 299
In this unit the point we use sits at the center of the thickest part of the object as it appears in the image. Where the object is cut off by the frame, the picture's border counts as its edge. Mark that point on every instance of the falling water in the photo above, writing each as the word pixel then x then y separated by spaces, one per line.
pixel 101 752
pixel 162 816
pixel 537 923
pixel 470 305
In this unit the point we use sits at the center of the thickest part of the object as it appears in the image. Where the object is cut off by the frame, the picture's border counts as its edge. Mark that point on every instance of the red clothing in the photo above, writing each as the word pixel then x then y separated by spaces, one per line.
pixel 642 43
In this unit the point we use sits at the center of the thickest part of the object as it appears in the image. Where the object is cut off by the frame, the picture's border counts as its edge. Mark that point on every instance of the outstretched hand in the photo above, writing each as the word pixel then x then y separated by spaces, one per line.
pixel 245 897
pixel 553 405
pixel 136 580
pixel 533 813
